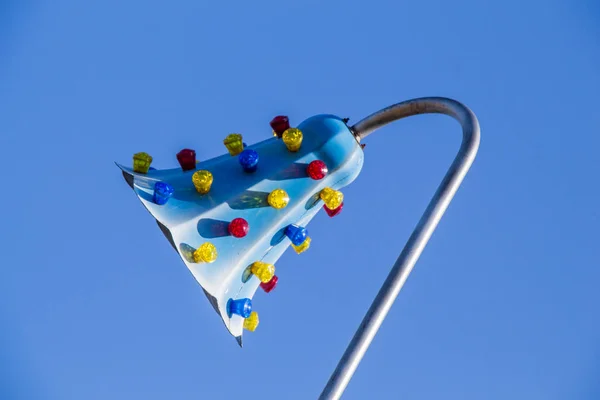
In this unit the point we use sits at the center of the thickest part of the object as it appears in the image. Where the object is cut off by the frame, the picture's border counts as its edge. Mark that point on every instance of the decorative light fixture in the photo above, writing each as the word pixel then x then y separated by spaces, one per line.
pixel 195 219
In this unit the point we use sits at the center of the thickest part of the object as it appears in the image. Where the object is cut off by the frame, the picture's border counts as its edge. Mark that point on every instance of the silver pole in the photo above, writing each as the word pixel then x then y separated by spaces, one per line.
pixel 420 236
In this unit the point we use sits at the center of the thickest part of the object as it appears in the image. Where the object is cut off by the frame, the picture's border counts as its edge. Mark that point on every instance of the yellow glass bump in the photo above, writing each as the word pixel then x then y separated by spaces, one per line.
pixel 251 322
pixel 141 162
pixel 292 137
pixel 278 199
pixel 234 144
pixel 303 247
pixel 263 271
pixel 207 252
pixel 202 181
pixel 331 198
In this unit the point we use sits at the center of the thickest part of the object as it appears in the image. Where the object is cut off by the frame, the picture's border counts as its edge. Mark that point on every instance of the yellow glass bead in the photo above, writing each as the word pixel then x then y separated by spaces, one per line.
pixel 207 252
pixel 263 271
pixel 141 162
pixel 234 144
pixel 292 137
pixel 202 181
pixel 251 322
pixel 331 198
pixel 303 247
pixel 278 199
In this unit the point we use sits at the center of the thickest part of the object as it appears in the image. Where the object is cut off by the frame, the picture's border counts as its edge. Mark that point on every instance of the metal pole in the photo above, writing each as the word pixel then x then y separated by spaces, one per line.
pixel 420 236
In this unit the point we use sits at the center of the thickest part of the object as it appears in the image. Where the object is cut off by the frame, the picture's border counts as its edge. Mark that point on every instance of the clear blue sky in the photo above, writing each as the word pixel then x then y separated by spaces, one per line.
pixel 503 304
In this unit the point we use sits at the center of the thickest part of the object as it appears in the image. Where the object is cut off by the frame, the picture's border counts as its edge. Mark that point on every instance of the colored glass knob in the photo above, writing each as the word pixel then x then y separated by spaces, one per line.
pixel 303 247
pixel 278 199
pixel 202 181
pixel 206 253
pixel 292 138
pixel 187 159
pixel 238 227
pixel 141 162
pixel 162 193
pixel 268 286
pixel 279 124
pixel 332 198
pixel 249 160
pixel 263 271
pixel 251 323
pixel 241 307
pixel 296 234
pixel 234 144
pixel 317 170
pixel 334 212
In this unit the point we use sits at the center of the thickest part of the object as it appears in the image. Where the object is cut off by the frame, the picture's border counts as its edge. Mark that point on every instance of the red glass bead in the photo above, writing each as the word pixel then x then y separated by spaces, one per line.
pixel 238 227
pixel 280 124
pixel 267 287
pixel 333 213
pixel 317 169
pixel 187 159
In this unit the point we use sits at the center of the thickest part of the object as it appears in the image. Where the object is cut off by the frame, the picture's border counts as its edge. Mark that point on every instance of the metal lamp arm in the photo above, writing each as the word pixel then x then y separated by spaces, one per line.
pixel 422 232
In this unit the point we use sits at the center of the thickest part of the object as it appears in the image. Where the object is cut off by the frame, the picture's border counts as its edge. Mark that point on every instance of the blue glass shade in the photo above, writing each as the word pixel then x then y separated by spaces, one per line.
pixel 162 193
pixel 249 160
pixel 241 307
pixel 296 234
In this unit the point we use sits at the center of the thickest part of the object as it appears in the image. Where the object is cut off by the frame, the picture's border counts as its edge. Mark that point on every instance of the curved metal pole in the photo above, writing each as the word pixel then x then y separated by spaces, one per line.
pixel 420 236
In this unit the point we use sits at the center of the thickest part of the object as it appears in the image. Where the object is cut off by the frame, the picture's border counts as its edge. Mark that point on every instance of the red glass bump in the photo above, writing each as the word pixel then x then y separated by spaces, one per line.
pixel 333 213
pixel 267 287
pixel 187 159
pixel 238 227
pixel 317 169
pixel 279 124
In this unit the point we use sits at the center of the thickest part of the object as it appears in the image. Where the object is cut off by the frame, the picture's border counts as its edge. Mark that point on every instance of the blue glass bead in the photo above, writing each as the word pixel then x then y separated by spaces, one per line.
pixel 249 160
pixel 241 307
pixel 296 234
pixel 162 193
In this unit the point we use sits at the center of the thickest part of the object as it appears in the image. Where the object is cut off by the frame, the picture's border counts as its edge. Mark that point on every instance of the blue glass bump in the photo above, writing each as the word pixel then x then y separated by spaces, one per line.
pixel 241 307
pixel 162 193
pixel 296 234
pixel 249 160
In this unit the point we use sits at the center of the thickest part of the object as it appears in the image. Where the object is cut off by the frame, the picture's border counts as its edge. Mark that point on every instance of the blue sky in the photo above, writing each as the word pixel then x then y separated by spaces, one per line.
pixel 94 303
